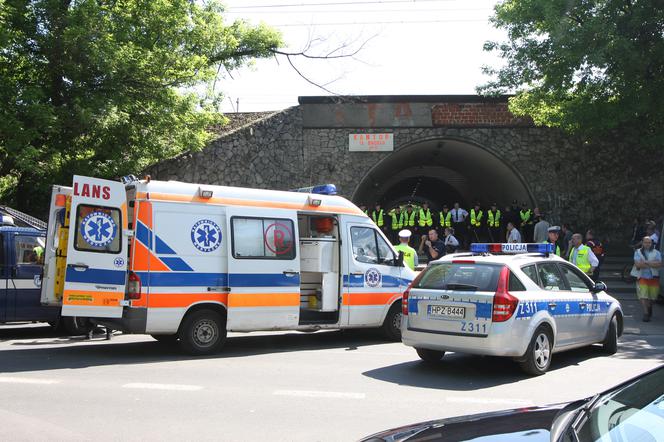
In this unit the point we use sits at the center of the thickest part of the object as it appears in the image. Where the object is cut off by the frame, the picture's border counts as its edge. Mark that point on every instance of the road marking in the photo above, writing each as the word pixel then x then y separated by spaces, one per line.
pixel 14 380
pixel 476 400
pixel 173 387
pixel 323 394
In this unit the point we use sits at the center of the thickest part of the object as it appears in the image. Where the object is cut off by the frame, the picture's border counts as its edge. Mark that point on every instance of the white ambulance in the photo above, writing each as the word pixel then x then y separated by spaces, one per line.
pixel 188 262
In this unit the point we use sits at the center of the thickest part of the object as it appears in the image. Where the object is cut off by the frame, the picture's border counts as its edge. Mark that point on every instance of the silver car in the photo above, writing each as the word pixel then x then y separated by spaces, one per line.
pixel 525 306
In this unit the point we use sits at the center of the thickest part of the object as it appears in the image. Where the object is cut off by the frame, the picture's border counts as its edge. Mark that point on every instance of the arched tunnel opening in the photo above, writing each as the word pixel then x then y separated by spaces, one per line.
pixel 442 171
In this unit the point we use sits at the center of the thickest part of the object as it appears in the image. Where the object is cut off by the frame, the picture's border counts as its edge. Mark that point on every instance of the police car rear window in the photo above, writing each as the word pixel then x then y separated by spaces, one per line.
pixel 461 276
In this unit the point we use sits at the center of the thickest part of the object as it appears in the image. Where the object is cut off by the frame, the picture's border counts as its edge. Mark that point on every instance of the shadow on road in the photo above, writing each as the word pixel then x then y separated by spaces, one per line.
pixel 33 356
pixel 467 372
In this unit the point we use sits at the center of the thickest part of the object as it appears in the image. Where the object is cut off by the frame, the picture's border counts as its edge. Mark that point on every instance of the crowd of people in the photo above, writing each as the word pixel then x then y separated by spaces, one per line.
pixel 460 227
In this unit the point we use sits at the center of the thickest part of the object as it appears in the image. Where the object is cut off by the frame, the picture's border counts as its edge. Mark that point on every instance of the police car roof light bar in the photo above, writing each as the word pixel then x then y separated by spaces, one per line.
pixel 512 248
pixel 322 189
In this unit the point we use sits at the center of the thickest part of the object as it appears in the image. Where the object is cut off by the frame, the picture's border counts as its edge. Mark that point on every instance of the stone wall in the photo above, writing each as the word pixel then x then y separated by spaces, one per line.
pixel 599 186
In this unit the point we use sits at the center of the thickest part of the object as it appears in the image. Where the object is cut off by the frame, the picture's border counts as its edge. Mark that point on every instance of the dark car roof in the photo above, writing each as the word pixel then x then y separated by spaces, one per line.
pixel 528 424
pixel 16 229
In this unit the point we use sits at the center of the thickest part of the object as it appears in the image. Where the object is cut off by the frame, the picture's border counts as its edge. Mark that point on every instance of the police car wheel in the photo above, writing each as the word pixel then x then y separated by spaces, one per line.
pixel 538 356
pixel 202 332
pixel 610 343
pixel 392 323
pixel 429 355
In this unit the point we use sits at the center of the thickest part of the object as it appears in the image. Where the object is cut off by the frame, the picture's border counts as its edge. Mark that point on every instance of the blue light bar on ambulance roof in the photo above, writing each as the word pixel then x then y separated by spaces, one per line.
pixel 511 248
pixel 322 189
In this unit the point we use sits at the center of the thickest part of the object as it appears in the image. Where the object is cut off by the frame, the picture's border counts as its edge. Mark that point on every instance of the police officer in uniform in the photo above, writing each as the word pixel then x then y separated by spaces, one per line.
pixel 378 217
pixel 410 257
pixel 425 220
pixel 409 218
pixel 554 234
pixel 396 223
pixel 493 223
pixel 459 216
pixel 582 256
pixel 526 218
pixel 476 223
pixel 445 217
pixel 364 209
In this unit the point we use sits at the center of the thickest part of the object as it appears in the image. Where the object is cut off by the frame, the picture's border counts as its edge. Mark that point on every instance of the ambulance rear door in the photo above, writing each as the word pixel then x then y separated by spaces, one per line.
pixel 263 269
pixel 96 271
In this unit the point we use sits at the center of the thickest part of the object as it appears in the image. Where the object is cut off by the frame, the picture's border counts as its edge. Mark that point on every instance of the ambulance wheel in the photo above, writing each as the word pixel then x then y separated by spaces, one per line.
pixel 537 359
pixel 166 339
pixel 429 355
pixel 610 343
pixel 392 324
pixel 202 332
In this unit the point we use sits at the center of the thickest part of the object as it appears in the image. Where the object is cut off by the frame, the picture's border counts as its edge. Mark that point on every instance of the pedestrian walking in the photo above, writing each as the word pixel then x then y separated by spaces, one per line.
pixel 540 232
pixel 451 243
pixel 581 255
pixel 432 246
pixel 410 257
pixel 513 234
pixel 647 262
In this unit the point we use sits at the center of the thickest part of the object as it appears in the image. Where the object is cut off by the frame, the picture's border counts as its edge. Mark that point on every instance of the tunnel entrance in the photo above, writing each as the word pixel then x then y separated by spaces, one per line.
pixel 442 171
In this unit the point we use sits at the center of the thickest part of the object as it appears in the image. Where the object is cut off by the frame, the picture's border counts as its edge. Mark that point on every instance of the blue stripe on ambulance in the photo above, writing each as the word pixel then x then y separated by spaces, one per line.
pixel 176 264
pixel 387 281
pixel 99 276
pixel 162 248
pixel 144 235
pixel 172 279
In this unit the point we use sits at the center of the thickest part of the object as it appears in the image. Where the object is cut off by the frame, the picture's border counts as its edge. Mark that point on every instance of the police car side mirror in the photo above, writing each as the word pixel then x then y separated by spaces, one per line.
pixel 599 287
pixel 398 262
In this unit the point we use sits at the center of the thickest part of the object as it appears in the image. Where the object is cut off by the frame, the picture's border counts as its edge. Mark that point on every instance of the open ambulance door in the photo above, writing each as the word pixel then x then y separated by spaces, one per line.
pixel 96 264
pixel 263 269
pixel 55 249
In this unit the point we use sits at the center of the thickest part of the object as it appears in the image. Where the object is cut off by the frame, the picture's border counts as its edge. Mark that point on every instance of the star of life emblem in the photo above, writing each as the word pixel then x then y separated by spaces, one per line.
pixel 206 235
pixel 372 277
pixel 98 229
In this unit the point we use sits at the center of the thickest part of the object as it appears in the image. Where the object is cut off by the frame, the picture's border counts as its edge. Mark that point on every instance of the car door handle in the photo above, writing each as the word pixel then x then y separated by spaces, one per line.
pixel 357 273
pixel 552 305
pixel 290 273
pixel 80 267
pixel 219 289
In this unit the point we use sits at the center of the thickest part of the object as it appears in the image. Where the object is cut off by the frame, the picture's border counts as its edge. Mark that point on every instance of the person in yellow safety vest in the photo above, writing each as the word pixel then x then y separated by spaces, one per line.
pixel 409 217
pixel 364 209
pixel 476 217
pixel 409 254
pixel 493 222
pixel 582 256
pixel 526 219
pixel 554 234
pixel 445 217
pixel 425 218
pixel 396 224
pixel 377 215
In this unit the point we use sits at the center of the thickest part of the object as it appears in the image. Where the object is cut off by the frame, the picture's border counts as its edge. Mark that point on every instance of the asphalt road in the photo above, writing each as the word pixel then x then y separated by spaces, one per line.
pixel 327 386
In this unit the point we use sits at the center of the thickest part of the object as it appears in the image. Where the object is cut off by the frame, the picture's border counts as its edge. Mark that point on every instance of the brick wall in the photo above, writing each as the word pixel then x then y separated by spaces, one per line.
pixel 475 114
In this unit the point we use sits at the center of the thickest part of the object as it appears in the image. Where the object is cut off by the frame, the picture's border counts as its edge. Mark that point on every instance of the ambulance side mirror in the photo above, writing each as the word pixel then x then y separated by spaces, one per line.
pixel 398 262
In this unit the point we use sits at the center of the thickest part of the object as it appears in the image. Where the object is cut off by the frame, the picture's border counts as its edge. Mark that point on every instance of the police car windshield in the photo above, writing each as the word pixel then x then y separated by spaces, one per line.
pixel 460 276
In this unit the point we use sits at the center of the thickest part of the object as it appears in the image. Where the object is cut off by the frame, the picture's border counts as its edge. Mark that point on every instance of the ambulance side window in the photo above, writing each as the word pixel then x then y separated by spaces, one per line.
pixel 98 229
pixel 369 247
pixel 262 238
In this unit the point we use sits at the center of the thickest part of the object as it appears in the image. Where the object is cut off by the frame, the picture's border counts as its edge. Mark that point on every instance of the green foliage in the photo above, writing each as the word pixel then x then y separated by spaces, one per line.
pixel 591 67
pixel 107 87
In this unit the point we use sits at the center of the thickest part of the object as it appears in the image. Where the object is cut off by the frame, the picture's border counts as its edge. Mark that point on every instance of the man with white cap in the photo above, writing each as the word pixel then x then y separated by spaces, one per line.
pixel 554 234
pixel 409 254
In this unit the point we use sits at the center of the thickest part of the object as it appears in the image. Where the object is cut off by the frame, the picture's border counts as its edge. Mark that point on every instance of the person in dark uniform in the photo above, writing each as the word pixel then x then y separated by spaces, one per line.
pixel 432 246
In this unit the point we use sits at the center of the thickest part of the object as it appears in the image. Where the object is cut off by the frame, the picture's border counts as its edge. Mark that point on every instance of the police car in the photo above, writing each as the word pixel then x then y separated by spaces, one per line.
pixel 515 300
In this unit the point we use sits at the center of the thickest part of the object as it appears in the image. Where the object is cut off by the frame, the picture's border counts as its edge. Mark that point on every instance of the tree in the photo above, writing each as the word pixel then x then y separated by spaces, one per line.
pixel 106 87
pixel 591 67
